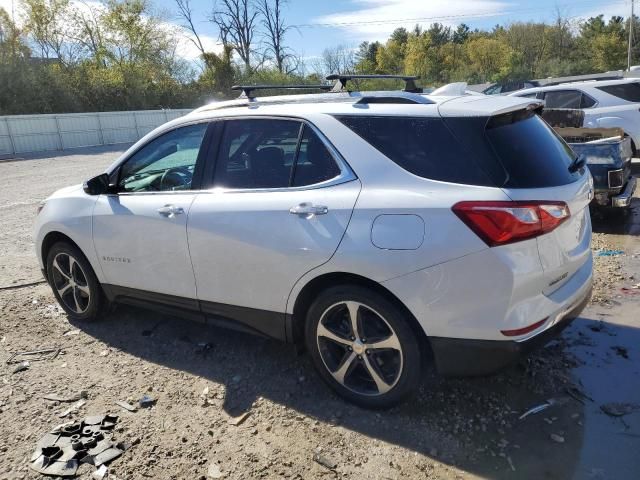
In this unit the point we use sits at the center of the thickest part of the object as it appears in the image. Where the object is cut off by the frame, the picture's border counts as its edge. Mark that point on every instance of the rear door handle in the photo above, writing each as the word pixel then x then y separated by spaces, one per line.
pixel 309 210
pixel 170 211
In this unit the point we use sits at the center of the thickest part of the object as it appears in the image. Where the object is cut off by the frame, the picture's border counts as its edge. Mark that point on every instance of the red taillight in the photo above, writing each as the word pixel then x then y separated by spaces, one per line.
pixel 499 223
pixel 525 330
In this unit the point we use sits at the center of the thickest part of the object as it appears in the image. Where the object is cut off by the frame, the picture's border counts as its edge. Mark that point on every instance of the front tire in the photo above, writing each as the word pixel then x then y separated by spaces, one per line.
pixel 362 346
pixel 74 282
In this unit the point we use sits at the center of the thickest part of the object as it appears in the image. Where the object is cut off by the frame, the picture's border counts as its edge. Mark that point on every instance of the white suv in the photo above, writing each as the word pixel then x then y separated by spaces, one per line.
pixel 605 103
pixel 375 228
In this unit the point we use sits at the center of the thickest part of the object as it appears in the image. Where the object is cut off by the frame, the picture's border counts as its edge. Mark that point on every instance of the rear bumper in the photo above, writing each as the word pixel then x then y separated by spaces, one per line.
pixel 464 357
pixel 624 198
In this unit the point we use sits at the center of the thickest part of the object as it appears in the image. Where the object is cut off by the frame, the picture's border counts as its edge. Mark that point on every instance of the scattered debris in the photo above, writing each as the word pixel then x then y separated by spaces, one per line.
pixel 34 355
pixel 126 406
pixel 214 471
pixel 104 353
pixel 100 473
pixel 621 351
pixel 540 408
pixel 73 408
pixel 618 409
pixel 73 398
pixel 577 394
pixel 236 421
pixel 513 468
pixel 61 451
pixel 609 253
pixel 74 331
pixel 324 460
pixel 22 367
pixel 557 438
pixel 147 401
pixel 23 285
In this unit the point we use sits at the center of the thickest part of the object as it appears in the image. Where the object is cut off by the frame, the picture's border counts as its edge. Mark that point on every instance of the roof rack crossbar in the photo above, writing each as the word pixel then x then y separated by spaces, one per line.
pixel 248 89
pixel 409 80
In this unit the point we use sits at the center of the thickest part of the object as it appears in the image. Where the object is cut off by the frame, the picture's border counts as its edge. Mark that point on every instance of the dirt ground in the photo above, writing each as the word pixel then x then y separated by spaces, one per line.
pixel 203 377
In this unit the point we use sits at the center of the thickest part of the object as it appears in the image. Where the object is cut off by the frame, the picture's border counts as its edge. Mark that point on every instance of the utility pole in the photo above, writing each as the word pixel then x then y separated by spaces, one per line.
pixel 630 39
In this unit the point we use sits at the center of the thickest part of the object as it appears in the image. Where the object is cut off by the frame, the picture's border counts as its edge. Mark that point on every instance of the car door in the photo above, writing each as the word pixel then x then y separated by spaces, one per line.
pixel 140 232
pixel 281 201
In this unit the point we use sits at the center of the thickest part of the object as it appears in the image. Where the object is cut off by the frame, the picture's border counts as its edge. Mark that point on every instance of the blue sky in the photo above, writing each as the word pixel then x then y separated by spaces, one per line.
pixel 323 23
pixel 319 24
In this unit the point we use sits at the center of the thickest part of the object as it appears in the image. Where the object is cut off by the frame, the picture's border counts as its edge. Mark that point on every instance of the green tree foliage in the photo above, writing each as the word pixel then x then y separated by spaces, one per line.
pixel 67 56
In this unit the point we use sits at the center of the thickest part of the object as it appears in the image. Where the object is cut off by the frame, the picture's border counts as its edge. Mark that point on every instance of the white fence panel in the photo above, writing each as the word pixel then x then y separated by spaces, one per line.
pixel 38 133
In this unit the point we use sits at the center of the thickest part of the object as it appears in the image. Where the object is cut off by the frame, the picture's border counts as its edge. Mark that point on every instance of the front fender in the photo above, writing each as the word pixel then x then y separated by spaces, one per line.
pixel 69 214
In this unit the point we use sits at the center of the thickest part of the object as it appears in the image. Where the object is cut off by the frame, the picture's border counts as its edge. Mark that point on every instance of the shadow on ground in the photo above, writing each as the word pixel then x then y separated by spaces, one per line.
pixel 470 423
pixel 617 221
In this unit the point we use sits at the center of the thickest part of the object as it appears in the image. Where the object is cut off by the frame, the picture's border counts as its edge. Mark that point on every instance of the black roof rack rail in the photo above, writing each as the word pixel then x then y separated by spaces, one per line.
pixel 409 81
pixel 247 89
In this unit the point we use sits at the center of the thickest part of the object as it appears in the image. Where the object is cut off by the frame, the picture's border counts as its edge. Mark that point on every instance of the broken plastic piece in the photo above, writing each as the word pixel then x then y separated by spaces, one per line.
pixel 146 401
pixel 126 406
pixel 538 408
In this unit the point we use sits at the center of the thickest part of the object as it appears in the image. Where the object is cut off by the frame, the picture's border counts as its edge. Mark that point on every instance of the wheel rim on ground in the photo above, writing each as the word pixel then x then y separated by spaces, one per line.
pixel 70 281
pixel 359 348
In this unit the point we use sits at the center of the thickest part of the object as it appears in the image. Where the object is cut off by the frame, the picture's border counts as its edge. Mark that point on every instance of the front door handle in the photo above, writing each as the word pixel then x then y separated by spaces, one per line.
pixel 309 210
pixel 170 211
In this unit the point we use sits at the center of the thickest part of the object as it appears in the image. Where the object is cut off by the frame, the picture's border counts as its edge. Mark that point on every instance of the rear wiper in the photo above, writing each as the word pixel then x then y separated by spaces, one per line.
pixel 578 162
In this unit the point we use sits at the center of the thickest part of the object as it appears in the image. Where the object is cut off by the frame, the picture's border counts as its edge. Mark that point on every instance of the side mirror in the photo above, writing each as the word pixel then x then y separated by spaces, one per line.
pixel 97 185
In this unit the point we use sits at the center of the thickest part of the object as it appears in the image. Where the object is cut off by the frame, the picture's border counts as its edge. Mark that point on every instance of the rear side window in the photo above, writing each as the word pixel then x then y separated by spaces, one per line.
pixel 423 146
pixel 532 154
pixel 626 91
pixel 563 99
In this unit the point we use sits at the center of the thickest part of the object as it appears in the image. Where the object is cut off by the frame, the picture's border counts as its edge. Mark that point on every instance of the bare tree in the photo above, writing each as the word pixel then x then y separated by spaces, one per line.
pixel 339 59
pixel 185 12
pixel 275 30
pixel 236 21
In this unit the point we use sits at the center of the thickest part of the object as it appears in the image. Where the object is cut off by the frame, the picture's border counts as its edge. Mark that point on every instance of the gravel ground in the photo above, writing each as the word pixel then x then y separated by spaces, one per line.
pixel 205 378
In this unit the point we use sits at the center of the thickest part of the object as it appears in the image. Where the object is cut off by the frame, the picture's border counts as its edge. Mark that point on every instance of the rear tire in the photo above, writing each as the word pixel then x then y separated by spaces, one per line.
pixel 74 283
pixel 374 361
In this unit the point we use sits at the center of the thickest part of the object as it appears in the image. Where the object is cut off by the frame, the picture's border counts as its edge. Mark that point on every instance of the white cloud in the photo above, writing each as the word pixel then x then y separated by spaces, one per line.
pixel 384 16
pixel 621 8
pixel 187 49
pixel 7 5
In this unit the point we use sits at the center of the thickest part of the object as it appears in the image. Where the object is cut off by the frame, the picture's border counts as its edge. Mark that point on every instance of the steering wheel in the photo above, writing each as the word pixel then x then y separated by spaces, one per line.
pixel 175 177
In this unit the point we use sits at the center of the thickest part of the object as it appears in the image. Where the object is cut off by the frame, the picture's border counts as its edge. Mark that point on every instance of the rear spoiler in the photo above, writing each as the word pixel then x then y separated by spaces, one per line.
pixel 486 106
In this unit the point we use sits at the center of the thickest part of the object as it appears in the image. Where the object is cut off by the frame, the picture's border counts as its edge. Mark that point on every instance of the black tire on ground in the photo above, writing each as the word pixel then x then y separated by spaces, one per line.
pixel 76 302
pixel 409 373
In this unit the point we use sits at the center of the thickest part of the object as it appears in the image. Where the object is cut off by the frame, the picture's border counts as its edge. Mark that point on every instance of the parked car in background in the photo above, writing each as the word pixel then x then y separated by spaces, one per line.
pixel 606 104
pixel 608 156
pixel 367 226
pixel 506 87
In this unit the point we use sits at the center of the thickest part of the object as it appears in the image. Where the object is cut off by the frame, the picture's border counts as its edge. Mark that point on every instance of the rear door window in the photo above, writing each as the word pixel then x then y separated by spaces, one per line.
pixel 257 153
pixel 271 153
pixel 563 99
pixel 626 91
pixel 423 146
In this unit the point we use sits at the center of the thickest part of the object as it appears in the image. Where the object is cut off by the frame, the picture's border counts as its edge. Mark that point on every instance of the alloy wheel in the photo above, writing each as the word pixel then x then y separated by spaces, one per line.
pixel 359 348
pixel 70 281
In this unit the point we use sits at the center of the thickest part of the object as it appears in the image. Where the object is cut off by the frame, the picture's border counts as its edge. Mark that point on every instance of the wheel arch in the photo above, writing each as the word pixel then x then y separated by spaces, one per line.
pixel 50 239
pixel 316 285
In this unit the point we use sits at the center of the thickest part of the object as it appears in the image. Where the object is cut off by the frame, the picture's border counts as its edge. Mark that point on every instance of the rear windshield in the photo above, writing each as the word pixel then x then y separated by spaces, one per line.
pixel 514 150
pixel 626 91
pixel 532 154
